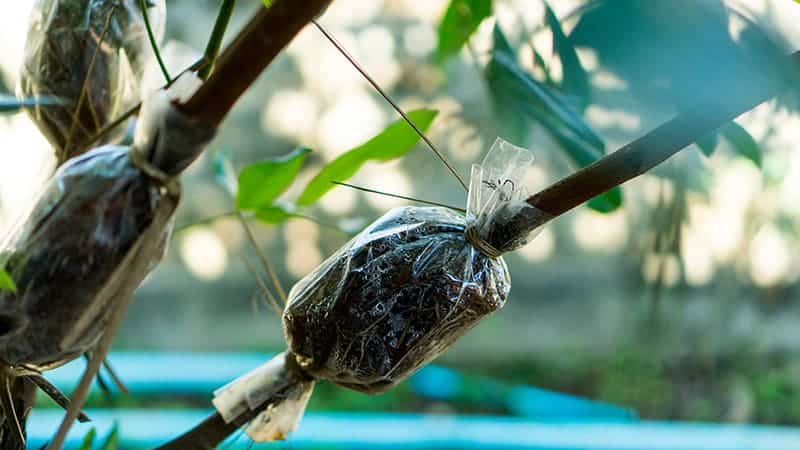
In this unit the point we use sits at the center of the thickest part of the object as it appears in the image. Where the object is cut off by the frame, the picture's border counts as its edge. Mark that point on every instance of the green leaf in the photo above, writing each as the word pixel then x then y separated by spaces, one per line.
pixel 261 183
pixel 708 143
pixel 504 74
pixel 575 79
pixel 6 282
pixel 112 441
pixel 583 154
pixel 273 215
pixel 500 43
pixel 394 142
pixel 607 202
pixel 538 61
pixel 88 440
pixel 460 20
pixel 510 121
pixel 742 142
pixel 516 95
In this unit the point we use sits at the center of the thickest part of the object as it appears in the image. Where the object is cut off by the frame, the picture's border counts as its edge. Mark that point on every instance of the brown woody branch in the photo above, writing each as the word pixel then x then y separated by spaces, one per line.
pixel 208 434
pixel 250 53
pixel 658 145
pixel 238 67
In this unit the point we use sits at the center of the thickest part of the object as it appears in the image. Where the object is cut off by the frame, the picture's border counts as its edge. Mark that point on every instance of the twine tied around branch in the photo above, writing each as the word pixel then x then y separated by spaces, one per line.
pixel 480 244
pixel 152 171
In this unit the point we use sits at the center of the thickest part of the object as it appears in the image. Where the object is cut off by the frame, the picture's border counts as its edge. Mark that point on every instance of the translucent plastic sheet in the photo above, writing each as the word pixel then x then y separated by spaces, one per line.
pixel 496 207
pixel 69 257
pixel 405 289
pixel 394 298
pixel 95 232
pixel 263 386
pixel 90 54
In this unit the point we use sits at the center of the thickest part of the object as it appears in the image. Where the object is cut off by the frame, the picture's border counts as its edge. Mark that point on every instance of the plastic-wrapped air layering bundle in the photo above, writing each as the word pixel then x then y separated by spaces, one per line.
pixel 89 56
pixel 95 232
pixel 394 298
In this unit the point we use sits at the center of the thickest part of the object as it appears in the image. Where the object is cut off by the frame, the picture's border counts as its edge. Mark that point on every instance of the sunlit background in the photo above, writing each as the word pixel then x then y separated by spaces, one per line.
pixel 683 304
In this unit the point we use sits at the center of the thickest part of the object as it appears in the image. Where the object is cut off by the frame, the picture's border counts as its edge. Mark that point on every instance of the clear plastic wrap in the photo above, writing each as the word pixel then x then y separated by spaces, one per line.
pixel 394 298
pixel 410 285
pixel 90 55
pixel 497 212
pixel 406 288
pixel 95 232
pixel 71 257
pixel 276 379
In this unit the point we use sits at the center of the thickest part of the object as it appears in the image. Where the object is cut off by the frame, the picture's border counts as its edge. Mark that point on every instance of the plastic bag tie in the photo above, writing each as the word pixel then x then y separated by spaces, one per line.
pixel 153 172
pixel 480 244
pixel 499 219
pixel 167 138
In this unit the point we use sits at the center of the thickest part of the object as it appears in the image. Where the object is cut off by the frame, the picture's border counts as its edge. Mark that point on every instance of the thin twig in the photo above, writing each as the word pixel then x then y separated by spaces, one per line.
pixel 212 219
pixel 276 282
pixel 137 261
pixel 396 107
pixel 10 410
pixel 402 197
pixel 85 85
pixel 265 292
pixel 321 223
pixel 656 146
pixel 115 377
pixel 250 53
pixel 206 221
pixel 153 43
pixel 217 35
pixel 23 391
pixel 54 393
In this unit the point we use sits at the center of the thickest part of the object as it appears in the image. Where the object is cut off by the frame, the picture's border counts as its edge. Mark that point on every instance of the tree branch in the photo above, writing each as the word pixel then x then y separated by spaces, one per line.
pixel 208 434
pixel 658 145
pixel 250 53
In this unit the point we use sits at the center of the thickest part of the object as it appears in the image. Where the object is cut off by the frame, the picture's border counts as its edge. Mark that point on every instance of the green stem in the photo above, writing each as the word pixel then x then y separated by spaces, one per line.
pixel 143 6
pixel 402 197
pixel 217 35
pixel 212 219
pixel 206 221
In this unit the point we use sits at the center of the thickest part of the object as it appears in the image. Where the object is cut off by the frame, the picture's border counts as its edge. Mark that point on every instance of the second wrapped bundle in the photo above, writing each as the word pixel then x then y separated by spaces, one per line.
pixel 400 293
pixel 88 56
pixel 95 232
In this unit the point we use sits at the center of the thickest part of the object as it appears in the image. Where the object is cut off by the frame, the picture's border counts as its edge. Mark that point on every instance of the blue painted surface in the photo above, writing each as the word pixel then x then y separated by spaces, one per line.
pixel 201 373
pixel 142 429
pixel 550 420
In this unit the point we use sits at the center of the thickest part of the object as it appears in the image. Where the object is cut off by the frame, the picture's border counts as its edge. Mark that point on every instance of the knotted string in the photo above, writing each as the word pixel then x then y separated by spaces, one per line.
pixel 480 244
pixel 141 162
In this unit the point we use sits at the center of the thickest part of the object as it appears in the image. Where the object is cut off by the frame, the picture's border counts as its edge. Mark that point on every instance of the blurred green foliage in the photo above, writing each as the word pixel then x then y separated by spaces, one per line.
pixel 394 142
pixel 575 78
pixel 6 282
pixel 260 184
pixel 518 94
pixel 111 442
pixel 460 21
